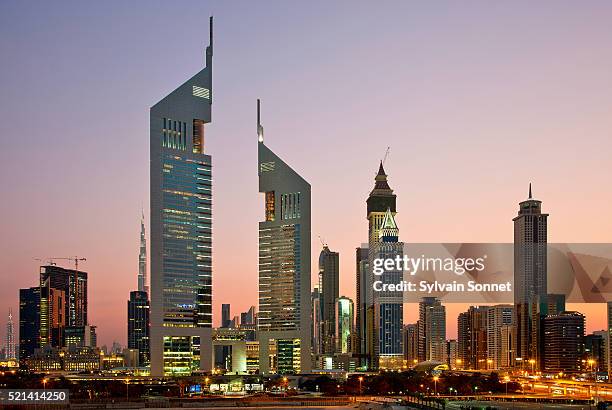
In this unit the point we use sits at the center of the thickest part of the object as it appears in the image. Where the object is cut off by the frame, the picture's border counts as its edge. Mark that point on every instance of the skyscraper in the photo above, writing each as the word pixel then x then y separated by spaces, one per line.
pixel 411 351
pixel 142 259
pixel 361 305
pixel 63 302
pixel 29 322
pixel 329 284
pixel 497 317
pixel 10 352
pixel 316 327
pixel 226 317
pixel 472 337
pixel 284 263
pixel 380 200
pixel 181 227
pixel 388 305
pixel 530 267
pixel 138 326
pixel 563 342
pixel 344 324
pixel 432 330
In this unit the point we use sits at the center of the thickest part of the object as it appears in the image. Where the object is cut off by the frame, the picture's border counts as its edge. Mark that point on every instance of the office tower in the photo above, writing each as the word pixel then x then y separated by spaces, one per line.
pixel 542 306
pixel 344 320
pixel 139 326
pixel 530 268
pixel 497 317
pixel 388 305
pixel 284 263
pixel 472 338
pixel 451 353
pixel 10 352
pixel 80 336
pixel 411 346
pixel 316 327
pixel 29 322
pixel 594 358
pixel 508 346
pixel 63 302
pixel 142 259
pixel 362 291
pixel 431 330
pixel 609 341
pixel 250 316
pixel 563 342
pixel 329 284
pixel 181 227
pixel 225 315
pixel 380 200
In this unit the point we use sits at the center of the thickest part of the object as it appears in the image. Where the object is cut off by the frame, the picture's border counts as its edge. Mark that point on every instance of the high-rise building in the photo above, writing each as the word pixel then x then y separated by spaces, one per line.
pixel 542 306
pixel 594 358
pixel 381 201
pixel 63 302
pixel 388 305
pixel 29 322
pixel 139 326
pixel 226 317
pixel 411 346
pixel 472 338
pixel 508 346
pixel 451 354
pixel 10 353
pixel 609 340
pixel 344 324
pixel 530 268
pixel 181 227
pixel 363 291
pixel 284 263
pixel 142 259
pixel 497 317
pixel 563 342
pixel 316 326
pixel 431 330
pixel 329 284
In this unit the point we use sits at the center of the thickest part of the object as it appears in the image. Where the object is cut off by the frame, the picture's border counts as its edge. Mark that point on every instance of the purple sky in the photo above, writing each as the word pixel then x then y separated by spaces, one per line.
pixel 476 99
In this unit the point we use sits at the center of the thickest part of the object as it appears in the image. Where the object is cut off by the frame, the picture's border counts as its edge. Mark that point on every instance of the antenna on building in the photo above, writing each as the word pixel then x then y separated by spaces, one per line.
pixel 260 131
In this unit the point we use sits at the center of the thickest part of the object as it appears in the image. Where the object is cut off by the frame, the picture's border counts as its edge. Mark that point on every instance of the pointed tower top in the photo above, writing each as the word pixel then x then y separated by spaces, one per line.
pixel 530 196
pixel 209 48
pixel 260 133
pixel 381 170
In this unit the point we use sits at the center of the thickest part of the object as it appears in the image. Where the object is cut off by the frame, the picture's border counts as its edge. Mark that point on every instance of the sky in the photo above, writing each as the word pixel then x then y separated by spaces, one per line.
pixel 476 99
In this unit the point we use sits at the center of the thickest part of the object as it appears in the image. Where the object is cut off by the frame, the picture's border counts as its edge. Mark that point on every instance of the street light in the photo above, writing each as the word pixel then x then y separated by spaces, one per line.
pixel 44 382
pixel 532 363
pixel 507 380
pixel 489 362
pixel 360 380
pixel 435 379
pixel 458 363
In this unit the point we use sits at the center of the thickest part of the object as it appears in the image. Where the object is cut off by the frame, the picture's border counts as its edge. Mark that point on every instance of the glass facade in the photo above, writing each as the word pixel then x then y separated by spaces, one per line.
pixel 187 254
pixel 181 355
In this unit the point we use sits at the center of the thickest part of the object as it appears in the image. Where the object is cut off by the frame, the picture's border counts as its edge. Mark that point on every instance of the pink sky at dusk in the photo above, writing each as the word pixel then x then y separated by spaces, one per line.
pixel 475 100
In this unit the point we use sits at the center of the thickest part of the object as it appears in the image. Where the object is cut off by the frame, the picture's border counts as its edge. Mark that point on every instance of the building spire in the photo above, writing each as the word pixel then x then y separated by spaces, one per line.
pixel 530 196
pixel 260 131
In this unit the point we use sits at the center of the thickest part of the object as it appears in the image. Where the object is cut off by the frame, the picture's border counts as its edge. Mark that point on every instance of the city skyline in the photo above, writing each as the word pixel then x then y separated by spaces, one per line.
pixel 111 253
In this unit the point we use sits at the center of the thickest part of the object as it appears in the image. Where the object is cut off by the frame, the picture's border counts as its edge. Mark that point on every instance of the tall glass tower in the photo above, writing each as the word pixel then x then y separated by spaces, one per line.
pixel 181 227
pixel 284 265
pixel 530 270
pixel 142 259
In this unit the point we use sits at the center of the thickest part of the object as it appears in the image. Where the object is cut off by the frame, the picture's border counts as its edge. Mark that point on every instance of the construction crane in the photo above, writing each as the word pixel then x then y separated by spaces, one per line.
pixel 386 155
pixel 323 244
